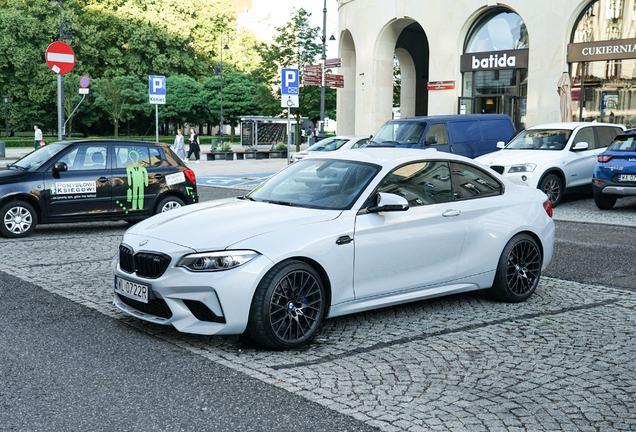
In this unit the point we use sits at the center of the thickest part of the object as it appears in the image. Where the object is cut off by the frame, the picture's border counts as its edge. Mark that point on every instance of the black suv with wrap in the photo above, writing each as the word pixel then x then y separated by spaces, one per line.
pixel 92 180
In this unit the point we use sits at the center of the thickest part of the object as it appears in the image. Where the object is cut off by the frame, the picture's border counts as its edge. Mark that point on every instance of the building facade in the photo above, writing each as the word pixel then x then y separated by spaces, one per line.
pixel 485 56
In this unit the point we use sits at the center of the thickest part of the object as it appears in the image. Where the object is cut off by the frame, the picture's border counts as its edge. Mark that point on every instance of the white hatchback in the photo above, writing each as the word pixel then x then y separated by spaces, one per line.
pixel 553 157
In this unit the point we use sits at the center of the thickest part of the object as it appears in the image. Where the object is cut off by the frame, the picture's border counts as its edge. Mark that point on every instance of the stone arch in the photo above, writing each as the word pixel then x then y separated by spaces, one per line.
pixel 346 97
pixel 406 37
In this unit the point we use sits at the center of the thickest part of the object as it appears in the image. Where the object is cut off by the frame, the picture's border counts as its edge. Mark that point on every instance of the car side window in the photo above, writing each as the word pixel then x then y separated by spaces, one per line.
pixel 131 155
pixel 421 183
pixel 155 157
pixel 86 158
pixel 360 143
pixel 585 135
pixel 437 130
pixel 472 182
pixel 606 135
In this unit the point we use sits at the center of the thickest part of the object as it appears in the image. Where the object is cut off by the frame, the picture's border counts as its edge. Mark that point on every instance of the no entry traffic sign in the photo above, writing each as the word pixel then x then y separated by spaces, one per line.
pixel 60 57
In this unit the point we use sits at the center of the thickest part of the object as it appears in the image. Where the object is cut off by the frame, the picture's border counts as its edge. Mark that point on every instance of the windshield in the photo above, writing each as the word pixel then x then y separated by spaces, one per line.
pixel 402 132
pixel 540 139
pixel 624 143
pixel 328 144
pixel 35 159
pixel 317 183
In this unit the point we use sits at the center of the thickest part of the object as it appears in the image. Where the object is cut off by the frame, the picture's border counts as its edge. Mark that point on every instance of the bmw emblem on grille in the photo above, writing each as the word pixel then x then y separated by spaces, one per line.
pixel 143 243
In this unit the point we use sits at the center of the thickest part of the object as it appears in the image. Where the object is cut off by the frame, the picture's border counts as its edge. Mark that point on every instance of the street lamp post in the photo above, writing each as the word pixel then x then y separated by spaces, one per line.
pixel 6 117
pixel 221 123
pixel 321 132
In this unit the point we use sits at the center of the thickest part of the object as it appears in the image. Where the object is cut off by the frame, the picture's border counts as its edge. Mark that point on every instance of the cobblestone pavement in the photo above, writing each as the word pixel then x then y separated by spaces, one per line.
pixel 584 210
pixel 564 360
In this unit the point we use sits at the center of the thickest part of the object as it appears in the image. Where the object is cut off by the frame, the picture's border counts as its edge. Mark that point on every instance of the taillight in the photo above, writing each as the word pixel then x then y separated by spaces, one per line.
pixel 190 175
pixel 597 182
pixel 548 207
pixel 604 158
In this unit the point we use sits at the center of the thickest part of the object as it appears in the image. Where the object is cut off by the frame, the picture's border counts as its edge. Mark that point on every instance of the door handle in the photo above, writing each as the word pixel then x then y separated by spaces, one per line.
pixel 451 213
pixel 344 240
pixel 102 179
pixel 158 176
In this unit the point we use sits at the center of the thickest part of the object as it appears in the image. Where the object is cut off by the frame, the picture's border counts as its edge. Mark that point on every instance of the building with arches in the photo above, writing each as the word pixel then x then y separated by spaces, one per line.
pixel 484 56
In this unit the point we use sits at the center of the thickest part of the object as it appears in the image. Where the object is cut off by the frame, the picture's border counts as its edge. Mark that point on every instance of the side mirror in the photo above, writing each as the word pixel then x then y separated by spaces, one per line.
pixel 431 140
pixel 500 144
pixel 389 202
pixel 580 146
pixel 59 167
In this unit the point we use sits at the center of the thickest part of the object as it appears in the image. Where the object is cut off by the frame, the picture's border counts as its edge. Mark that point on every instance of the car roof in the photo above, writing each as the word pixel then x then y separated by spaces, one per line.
pixel 570 125
pixel 458 117
pixel 390 156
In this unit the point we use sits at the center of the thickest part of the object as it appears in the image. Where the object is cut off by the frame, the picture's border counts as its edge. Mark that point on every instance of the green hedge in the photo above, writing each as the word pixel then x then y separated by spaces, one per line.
pixel 28 142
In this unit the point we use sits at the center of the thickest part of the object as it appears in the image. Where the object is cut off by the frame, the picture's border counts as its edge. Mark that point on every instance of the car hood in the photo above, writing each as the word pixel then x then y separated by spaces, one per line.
pixel 219 224
pixel 512 157
pixel 7 176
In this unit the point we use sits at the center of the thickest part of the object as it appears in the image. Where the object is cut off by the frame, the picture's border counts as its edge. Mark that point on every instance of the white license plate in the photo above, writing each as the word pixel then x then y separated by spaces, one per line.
pixel 627 177
pixel 133 290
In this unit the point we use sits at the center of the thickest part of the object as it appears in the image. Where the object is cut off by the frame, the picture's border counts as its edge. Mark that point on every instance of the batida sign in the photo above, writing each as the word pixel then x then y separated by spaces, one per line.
pixel 495 60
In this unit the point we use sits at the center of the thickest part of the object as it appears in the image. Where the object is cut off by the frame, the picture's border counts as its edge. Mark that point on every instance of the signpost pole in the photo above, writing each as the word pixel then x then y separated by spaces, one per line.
pixel 61 135
pixel 157 122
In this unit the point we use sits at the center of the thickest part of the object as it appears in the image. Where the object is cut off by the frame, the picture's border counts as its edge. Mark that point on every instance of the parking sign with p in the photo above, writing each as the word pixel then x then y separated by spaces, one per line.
pixel 157 89
pixel 289 88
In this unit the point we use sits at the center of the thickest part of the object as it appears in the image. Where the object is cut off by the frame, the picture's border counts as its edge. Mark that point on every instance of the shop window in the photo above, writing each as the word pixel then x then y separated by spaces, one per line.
pixel 497 31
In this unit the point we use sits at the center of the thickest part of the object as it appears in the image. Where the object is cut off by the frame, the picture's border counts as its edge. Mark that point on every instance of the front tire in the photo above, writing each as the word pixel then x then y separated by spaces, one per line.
pixel 518 271
pixel 552 186
pixel 169 203
pixel 288 306
pixel 604 202
pixel 19 219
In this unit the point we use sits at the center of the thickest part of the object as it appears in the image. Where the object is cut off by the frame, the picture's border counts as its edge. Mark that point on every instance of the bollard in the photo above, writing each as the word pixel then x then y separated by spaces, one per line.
pixel 2 149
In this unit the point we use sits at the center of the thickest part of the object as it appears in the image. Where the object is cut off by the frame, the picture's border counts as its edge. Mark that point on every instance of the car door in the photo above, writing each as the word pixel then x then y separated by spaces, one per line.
pixel 479 196
pixel 85 188
pixel 138 176
pixel 439 132
pixel 580 163
pixel 405 250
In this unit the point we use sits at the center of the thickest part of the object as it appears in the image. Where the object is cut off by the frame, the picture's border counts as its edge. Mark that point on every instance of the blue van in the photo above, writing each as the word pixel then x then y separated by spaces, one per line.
pixel 468 135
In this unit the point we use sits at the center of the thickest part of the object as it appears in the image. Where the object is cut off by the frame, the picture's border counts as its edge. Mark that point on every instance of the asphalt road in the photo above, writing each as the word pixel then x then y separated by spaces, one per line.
pixel 64 367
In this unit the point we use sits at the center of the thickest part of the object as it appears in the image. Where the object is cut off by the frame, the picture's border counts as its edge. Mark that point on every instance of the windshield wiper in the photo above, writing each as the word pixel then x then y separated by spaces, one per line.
pixel 245 198
pixel 285 203
pixel 18 167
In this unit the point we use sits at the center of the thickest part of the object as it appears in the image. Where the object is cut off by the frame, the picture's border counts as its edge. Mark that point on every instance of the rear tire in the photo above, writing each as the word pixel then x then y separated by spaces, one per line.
pixel 169 203
pixel 288 306
pixel 604 202
pixel 552 186
pixel 19 219
pixel 518 271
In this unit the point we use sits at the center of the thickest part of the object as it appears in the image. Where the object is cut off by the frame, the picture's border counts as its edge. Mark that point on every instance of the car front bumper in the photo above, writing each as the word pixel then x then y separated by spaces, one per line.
pixel 206 303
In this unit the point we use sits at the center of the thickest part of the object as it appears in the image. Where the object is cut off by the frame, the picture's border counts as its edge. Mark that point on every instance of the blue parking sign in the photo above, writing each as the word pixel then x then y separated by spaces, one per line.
pixel 157 89
pixel 289 82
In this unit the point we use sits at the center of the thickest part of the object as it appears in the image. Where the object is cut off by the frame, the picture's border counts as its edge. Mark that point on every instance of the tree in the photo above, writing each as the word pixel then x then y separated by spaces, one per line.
pixel 295 45
pixel 184 101
pixel 120 98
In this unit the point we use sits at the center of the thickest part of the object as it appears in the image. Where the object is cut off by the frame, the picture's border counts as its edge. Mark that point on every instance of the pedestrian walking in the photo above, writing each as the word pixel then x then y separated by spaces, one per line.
pixel 38 136
pixel 179 145
pixel 194 145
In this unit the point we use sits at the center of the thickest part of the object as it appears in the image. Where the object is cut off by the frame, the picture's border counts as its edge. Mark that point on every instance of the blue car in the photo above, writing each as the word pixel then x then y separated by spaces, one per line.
pixel 615 173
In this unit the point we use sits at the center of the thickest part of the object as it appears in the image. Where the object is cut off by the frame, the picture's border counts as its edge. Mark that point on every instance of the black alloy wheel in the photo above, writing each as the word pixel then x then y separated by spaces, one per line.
pixel 552 186
pixel 518 271
pixel 19 219
pixel 288 306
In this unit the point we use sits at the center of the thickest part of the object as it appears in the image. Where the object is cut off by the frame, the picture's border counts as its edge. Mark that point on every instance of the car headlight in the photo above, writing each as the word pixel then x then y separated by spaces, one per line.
pixel 216 261
pixel 522 168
